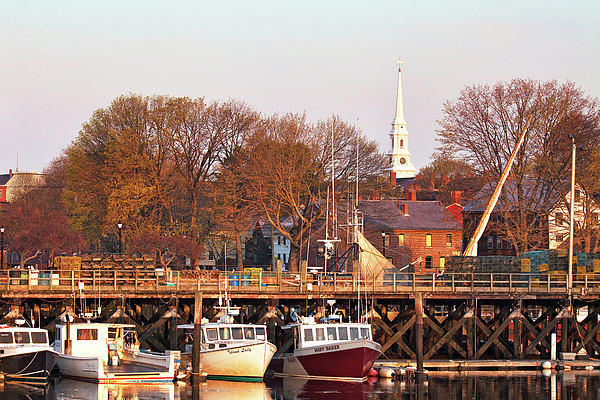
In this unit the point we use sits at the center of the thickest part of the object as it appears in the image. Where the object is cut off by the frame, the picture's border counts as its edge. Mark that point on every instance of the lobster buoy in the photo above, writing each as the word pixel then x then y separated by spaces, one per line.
pixel 373 372
pixel 386 372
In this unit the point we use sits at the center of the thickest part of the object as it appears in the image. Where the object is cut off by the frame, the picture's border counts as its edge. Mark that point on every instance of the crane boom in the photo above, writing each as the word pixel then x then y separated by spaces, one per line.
pixel 471 249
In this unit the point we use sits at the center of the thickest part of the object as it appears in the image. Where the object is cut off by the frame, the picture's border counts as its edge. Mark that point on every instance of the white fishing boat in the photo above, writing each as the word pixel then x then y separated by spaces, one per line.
pixel 25 353
pixel 232 351
pixel 328 350
pixel 109 353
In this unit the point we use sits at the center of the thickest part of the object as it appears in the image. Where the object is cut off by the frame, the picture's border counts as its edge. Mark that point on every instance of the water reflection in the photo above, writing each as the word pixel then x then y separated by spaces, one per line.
pixel 438 385
pixel 297 388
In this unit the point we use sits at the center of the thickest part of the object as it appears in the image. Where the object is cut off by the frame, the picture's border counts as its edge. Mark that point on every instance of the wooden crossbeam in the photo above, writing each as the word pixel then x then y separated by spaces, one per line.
pixel 542 335
pixel 397 338
pixel 496 334
pixel 583 333
pixel 448 335
pixel 441 332
pixel 499 343
pixel 533 330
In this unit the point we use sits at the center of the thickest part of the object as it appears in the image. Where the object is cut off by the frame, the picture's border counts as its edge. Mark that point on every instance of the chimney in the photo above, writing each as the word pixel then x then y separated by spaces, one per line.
pixel 455 197
pixel 404 208
pixel 10 173
pixel 393 178
pixel 411 195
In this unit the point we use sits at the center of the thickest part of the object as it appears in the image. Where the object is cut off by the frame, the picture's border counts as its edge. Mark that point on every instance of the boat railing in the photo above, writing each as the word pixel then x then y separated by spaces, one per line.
pixel 269 282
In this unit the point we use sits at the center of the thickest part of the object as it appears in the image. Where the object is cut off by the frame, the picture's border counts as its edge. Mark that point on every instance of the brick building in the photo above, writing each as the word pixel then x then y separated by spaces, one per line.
pixel 409 231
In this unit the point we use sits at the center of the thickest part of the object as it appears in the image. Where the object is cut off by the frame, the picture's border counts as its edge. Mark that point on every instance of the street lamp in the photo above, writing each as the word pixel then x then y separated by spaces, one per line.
pixel 120 226
pixel 2 247
pixel 383 242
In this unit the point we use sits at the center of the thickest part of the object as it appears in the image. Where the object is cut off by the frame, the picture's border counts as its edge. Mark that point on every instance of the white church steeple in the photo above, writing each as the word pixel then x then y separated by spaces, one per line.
pixel 400 164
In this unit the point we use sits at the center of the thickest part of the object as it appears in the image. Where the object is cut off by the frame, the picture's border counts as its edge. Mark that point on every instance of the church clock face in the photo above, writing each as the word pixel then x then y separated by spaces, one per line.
pixel 403 160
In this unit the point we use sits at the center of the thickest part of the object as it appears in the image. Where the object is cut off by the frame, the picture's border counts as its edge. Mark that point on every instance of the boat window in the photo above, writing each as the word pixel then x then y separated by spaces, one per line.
pixel 6 337
pixel 212 334
pixel 343 333
pixel 224 333
pixel 87 334
pixel 38 337
pixel 22 337
pixel 236 333
pixel 331 333
pixel 364 333
pixel 249 333
pixel 353 333
pixel 261 334
pixel 112 333
pixel 308 335
pixel 320 333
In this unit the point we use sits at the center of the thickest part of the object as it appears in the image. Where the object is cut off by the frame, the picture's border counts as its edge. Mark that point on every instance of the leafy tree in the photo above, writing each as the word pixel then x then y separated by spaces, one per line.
pixel 483 126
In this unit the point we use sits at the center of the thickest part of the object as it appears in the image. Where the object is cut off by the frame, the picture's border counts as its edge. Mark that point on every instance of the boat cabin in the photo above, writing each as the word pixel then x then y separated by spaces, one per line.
pixel 11 337
pixel 215 335
pixel 90 340
pixel 308 333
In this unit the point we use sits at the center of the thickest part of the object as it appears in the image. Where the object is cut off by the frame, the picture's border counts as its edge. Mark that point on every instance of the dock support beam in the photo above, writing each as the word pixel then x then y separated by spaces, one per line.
pixel 419 330
pixel 196 360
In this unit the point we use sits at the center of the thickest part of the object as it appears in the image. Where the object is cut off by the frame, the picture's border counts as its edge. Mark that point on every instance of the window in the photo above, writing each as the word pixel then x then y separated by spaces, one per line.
pixel 39 337
pixel 353 333
pixel 343 333
pixel 401 240
pixel 560 237
pixel 386 240
pixel 442 263
pixel 490 242
pixel 558 218
pixel 211 256
pixel 87 334
pixel 249 333
pixel 401 143
pixel 279 240
pixel 6 337
pixel 22 337
pixel 428 262
pixel 448 240
pixel 308 335
pixel 499 242
pixel 284 241
pixel 224 333
pixel 364 333
pixel 261 334
pixel 236 333
pixel 320 333
pixel 211 334
pixel 331 333
pixel 428 240
pixel 509 244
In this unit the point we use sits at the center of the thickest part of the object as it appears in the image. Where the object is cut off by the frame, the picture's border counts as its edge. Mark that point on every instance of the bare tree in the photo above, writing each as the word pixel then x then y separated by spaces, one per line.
pixel 483 126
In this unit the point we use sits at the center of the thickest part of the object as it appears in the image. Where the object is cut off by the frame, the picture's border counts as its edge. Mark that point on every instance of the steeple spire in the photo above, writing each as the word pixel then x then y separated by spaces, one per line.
pixel 399 118
pixel 400 165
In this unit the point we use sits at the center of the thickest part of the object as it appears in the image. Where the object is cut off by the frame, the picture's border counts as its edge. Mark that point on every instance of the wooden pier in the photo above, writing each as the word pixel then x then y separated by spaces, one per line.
pixel 465 316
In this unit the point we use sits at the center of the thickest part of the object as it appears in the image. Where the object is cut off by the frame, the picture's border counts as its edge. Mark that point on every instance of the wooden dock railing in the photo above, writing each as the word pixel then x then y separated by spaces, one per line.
pixel 264 282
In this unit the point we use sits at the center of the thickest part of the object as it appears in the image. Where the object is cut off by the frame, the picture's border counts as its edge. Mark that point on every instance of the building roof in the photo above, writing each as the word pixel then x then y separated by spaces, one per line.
pixel 422 215
pixel 537 196
pixel 4 178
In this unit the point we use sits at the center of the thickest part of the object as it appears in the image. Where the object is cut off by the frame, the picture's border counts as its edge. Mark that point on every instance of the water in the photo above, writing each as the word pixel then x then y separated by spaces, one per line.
pixel 438 385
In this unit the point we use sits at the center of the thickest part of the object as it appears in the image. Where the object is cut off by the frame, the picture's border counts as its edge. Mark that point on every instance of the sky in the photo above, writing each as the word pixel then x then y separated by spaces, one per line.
pixel 61 60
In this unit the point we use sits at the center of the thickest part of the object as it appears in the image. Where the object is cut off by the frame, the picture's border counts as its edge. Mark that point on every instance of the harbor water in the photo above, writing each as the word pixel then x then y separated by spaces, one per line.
pixel 436 385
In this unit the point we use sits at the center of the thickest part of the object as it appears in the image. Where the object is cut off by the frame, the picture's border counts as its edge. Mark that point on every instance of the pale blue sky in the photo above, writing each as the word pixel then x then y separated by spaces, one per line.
pixel 61 60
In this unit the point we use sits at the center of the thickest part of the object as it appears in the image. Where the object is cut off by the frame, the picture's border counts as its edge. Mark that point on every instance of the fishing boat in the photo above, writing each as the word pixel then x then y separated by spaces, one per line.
pixel 231 351
pixel 109 353
pixel 329 349
pixel 25 353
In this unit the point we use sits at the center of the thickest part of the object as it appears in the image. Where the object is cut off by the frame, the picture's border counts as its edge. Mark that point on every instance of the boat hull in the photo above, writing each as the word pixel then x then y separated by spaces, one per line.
pixel 348 360
pixel 35 365
pixel 94 369
pixel 246 362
